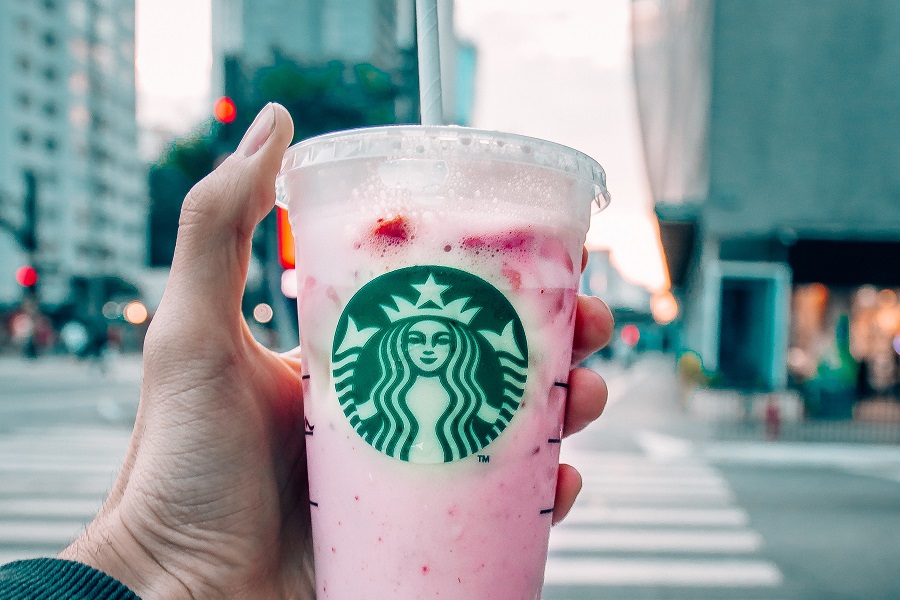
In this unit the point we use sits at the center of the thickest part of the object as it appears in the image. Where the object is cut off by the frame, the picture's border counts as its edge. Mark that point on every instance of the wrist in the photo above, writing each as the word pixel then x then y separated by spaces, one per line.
pixel 109 546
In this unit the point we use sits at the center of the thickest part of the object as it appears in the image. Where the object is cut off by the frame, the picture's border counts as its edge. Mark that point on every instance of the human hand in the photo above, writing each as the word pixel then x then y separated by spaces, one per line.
pixel 212 499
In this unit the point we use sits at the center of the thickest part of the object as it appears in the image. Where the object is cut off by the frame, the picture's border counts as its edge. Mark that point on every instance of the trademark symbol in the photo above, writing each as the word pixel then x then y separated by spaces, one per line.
pixel 484 458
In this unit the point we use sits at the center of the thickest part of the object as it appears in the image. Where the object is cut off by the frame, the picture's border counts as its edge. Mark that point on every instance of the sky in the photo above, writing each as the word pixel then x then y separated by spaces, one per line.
pixel 557 70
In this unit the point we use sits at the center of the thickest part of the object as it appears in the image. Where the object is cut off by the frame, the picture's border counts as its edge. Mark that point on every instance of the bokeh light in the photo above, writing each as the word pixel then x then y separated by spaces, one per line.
pixel 887 298
pixel 224 110
pixel 135 312
pixel 26 276
pixel 289 283
pixel 630 335
pixel 263 313
pixel 664 308
pixel 110 310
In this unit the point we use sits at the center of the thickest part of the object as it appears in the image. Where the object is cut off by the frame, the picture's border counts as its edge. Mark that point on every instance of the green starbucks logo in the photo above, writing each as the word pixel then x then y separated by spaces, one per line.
pixel 429 363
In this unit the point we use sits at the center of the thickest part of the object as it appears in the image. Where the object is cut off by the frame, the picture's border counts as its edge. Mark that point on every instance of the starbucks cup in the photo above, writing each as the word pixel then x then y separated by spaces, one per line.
pixel 437 273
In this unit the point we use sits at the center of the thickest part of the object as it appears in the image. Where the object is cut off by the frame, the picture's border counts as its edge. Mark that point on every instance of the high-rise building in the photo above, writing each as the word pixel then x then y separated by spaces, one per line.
pixel 69 138
pixel 378 32
pixel 304 30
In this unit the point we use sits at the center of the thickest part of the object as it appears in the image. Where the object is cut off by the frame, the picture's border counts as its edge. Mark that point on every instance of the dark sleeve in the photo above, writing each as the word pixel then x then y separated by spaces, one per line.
pixel 54 579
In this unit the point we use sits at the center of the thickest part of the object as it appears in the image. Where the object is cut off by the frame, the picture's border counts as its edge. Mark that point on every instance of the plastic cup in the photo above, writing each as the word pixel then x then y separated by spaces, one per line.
pixel 437 273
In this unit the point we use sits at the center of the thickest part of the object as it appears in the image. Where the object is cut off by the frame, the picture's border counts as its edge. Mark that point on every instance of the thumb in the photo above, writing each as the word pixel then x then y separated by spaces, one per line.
pixel 212 249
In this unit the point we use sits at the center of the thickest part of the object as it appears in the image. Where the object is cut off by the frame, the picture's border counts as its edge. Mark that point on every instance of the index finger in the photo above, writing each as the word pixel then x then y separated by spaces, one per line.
pixel 593 327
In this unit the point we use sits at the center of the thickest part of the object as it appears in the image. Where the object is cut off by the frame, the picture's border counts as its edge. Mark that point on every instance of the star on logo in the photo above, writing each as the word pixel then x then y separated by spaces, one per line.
pixel 430 291
pixel 430 304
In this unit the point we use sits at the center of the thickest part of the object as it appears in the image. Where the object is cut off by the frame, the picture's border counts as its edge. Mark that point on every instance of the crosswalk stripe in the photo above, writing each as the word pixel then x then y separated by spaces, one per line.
pixel 616 479
pixel 656 516
pixel 31 485
pixel 663 573
pixel 8 556
pixel 39 532
pixel 662 494
pixel 62 466
pixel 56 508
pixel 710 487
pixel 600 463
pixel 655 540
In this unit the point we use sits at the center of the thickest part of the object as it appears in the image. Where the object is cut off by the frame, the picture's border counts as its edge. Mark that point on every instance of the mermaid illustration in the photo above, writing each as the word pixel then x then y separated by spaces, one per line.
pixel 426 386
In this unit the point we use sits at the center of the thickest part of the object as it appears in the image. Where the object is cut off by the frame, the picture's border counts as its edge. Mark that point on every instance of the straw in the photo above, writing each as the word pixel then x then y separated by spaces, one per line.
pixel 429 62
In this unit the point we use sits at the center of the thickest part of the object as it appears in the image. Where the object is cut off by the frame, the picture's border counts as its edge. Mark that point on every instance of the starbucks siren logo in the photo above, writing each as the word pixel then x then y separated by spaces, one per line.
pixel 429 363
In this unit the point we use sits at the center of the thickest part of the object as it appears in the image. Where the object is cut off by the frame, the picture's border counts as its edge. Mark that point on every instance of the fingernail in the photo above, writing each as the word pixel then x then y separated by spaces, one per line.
pixel 258 132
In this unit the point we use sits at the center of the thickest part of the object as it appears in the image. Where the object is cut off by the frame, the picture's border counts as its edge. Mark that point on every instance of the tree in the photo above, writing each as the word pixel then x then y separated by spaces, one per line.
pixel 320 98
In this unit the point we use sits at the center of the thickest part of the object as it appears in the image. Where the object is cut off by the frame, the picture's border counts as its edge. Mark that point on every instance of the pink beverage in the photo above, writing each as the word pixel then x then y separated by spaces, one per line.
pixel 437 274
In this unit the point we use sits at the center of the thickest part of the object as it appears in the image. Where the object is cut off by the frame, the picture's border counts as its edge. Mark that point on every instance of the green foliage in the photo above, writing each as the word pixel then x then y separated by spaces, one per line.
pixel 193 156
pixel 320 98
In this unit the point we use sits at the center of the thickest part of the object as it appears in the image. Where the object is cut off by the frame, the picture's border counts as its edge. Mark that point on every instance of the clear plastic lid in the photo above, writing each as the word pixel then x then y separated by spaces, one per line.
pixel 446 142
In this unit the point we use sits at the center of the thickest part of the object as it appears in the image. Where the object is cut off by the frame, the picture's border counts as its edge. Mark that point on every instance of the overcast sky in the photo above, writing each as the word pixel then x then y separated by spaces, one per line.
pixel 558 70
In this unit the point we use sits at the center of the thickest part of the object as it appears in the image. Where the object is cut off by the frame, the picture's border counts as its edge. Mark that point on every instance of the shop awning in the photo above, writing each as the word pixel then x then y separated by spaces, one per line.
pixel 845 263
pixel 677 232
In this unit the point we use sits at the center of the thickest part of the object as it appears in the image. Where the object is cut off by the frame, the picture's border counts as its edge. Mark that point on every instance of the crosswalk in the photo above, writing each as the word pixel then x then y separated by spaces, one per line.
pixel 659 522
pixel 52 482
pixel 656 523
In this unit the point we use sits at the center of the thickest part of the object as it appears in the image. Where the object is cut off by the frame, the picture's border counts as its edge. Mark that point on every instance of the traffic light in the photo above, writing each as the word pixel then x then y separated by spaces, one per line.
pixel 26 276
pixel 226 113
pixel 285 240
pixel 225 110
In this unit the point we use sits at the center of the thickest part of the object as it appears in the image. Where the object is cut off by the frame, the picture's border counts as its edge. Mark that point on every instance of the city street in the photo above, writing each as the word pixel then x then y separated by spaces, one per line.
pixel 666 512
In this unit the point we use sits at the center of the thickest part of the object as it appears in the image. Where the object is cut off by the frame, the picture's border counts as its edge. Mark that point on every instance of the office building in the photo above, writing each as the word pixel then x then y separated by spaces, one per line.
pixel 310 31
pixel 772 136
pixel 378 32
pixel 69 140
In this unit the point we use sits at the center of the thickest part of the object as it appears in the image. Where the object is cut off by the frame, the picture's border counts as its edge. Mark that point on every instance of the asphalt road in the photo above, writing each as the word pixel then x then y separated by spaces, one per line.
pixel 665 513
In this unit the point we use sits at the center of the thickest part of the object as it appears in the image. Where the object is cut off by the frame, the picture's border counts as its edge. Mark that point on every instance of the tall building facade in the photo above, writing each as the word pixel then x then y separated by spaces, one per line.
pixel 378 32
pixel 772 139
pixel 304 30
pixel 69 139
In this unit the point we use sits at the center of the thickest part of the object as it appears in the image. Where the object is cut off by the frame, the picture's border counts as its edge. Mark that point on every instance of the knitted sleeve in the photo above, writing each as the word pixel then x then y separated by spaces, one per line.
pixel 54 579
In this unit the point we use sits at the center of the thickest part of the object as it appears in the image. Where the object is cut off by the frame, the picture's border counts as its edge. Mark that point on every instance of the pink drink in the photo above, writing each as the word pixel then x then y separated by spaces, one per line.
pixel 437 273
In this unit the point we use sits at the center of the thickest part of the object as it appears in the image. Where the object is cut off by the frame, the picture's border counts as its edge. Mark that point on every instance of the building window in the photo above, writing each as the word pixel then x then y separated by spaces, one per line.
pixel 106 28
pixel 50 5
pixel 24 63
pixel 79 48
pixel 50 109
pixel 79 116
pixel 50 39
pixel 51 144
pixel 78 13
pixel 99 122
pixel 25 137
pixel 78 83
pixel 50 74
pixel 23 99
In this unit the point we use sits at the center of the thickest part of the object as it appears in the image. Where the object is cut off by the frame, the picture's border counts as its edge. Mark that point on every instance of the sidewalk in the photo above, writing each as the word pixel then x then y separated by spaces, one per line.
pixel 646 396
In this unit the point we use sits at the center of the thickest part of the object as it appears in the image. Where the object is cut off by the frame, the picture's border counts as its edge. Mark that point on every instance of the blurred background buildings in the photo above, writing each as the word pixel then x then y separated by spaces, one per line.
pixel 772 137
pixel 73 199
pixel 376 32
